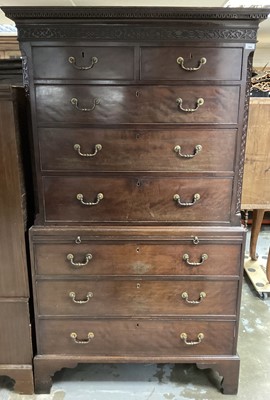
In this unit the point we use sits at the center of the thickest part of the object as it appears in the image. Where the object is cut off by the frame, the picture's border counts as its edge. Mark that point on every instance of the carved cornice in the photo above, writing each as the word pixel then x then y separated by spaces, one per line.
pixel 183 13
pixel 132 33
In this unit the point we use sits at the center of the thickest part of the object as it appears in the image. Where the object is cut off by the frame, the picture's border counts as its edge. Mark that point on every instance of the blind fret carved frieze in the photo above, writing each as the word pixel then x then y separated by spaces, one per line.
pixel 136 33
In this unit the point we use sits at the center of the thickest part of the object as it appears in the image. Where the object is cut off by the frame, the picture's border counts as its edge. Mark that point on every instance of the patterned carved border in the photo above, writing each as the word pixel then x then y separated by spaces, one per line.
pixel 135 13
pixel 244 135
pixel 132 33
pixel 25 75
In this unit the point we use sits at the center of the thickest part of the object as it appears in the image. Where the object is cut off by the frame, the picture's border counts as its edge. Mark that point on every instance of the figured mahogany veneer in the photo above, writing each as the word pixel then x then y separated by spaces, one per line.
pixel 161 63
pixel 140 338
pixel 155 102
pixel 114 298
pixel 138 258
pixel 136 199
pixel 102 62
pixel 137 150
pixel 135 104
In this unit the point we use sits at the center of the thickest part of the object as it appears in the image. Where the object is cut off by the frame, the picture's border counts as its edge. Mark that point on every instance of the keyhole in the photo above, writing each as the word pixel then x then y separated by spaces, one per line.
pixel 138 183
pixel 137 93
pixel 190 56
pixel 138 285
pixel 78 240
pixel 82 54
pixel 138 249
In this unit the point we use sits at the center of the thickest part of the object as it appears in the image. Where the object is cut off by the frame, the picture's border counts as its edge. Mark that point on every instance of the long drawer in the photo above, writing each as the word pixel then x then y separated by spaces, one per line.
pixel 143 338
pixel 136 199
pixel 107 298
pixel 125 258
pixel 136 258
pixel 190 63
pixel 83 62
pixel 137 150
pixel 137 104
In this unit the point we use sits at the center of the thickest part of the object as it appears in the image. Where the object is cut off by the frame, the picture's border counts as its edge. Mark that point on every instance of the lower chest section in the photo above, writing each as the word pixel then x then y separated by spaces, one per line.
pixel 136 291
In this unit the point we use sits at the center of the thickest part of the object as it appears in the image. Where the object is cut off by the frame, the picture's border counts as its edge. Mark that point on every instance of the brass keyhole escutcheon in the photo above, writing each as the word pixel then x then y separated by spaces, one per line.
pixel 138 285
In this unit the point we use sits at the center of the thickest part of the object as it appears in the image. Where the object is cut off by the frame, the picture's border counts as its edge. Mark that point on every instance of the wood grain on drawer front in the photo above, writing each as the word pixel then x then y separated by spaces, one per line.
pixel 136 150
pixel 105 62
pixel 136 104
pixel 137 258
pixel 127 298
pixel 161 63
pixel 136 337
pixel 139 198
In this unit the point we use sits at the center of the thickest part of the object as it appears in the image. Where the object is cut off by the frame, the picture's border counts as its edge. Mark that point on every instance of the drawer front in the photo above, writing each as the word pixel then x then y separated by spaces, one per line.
pixel 135 337
pixel 83 62
pixel 140 104
pixel 137 150
pixel 15 333
pixel 171 63
pixel 136 298
pixel 136 258
pixel 136 199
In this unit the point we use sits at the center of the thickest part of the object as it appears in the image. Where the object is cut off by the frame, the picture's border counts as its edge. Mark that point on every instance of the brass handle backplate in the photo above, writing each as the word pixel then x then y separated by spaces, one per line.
pixel 77 148
pixel 74 101
pixel 177 198
pixel 100 196
pixel 184 337
pixel 199 102
pixel 87 298
pixel 72 60
pixel 180 61
pixel 197 149
pixel 70 258
pixel 74 336
pixel 204 257
pixel 201 297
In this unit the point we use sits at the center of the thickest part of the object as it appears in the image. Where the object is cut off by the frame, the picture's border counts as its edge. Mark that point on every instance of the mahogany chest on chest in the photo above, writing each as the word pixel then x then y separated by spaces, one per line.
pixel 139 122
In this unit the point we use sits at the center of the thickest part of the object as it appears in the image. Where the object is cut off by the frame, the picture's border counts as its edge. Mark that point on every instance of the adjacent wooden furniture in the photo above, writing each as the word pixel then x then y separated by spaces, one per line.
pixel 15 329
pixel 256 188
pixel 9 47
pixel 139 137
pixel 11 72
pixel 259 276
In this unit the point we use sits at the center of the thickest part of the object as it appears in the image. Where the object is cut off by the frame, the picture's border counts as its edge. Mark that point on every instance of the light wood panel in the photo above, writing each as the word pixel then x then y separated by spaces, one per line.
pixel 256 184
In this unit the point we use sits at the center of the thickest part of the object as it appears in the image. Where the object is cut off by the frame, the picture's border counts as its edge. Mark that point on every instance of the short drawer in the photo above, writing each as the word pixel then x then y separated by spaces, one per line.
pixel 190 63
pixel 83 62
pixel 137 104
pixel 140 338
pixel 125 258
pixel 138 199
pixel 107 298
pixel 94 149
